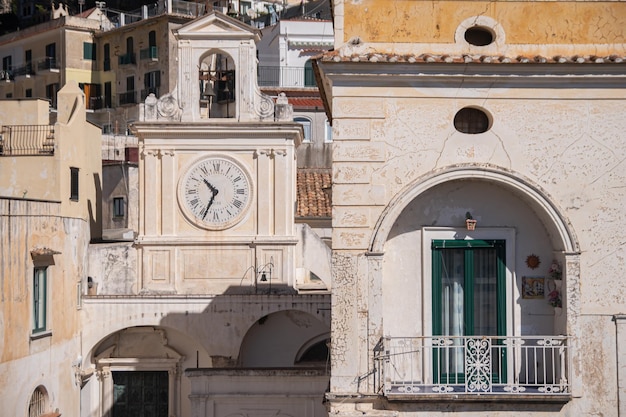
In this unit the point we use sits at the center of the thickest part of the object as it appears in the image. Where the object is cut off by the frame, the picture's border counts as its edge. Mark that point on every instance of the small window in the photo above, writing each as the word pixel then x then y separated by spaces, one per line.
pixel 479 36
pixel 7 63
pixel 108 95
pixel 306 125
pixel 38 402
pixel 129 45
pixel 28 92
pixel 40 299
pixel 152 38
pixel 328 132
pixel 118 207
pixel 74 184
pixel 89 51
pixel 9 95
pixel 309 77
pixel 471 120
pixel 107 57
pixel 51 50
pixel 130 83
pixel 51 94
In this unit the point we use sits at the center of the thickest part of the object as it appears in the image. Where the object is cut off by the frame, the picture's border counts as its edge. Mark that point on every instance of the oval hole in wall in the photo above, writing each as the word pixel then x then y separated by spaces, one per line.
pixel 472 120
pixel 479 36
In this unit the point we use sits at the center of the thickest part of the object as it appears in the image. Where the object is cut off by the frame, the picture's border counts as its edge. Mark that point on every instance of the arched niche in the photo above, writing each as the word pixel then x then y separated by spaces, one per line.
pixel 562 236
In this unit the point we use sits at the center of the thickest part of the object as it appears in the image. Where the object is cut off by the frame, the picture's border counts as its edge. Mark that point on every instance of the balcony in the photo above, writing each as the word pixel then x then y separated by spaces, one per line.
pixel 26 140
pixel 127 59
pixel 48 64
pixel 129 97
pixel 286 77
pixel 95 103
pixel 149 53
pixel 24 71
pixel 520 367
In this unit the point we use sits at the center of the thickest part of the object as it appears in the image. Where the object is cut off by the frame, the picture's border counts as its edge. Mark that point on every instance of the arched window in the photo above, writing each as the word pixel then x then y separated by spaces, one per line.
pixel 306 125
pixel 152 38
pixel 38 402
pixel 129 45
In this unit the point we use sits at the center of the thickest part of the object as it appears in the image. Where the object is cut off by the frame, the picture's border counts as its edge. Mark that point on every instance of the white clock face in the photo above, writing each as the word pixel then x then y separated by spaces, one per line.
pixel 215 193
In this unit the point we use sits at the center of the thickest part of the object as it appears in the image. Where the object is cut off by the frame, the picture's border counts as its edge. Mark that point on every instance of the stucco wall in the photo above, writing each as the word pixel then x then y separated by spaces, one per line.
pixel 392 136
pixel 594 26
pixel 27 361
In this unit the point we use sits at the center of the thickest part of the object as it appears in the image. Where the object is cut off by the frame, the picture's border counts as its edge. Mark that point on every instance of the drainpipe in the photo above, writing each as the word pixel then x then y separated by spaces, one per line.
pixel 620 353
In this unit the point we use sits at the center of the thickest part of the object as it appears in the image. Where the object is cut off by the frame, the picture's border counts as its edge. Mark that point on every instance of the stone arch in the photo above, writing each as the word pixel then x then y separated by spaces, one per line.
pixel 277 339
pixel 532 193
pixel 144 350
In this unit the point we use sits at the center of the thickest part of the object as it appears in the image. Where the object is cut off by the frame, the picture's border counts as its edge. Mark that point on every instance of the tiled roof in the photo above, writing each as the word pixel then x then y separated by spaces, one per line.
pixel 305 102
pixel 299 98
pixel 336 56
pixel 314 192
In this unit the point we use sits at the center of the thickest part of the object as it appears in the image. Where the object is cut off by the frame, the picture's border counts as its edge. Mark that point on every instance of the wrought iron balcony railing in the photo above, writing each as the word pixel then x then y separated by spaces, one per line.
pixel 149 53
pixel 95 103
pixel 25 70
pixel 129 97
pixel 127 59
pixel 286 77
pixel 27 140
pixel 472 365
pixel 48 63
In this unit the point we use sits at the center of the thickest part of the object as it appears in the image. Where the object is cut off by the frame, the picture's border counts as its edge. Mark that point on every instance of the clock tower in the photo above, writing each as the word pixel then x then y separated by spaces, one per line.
pixel 217 172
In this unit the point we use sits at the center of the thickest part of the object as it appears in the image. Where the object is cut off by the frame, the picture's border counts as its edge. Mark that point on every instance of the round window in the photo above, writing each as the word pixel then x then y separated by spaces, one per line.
pixel 471 120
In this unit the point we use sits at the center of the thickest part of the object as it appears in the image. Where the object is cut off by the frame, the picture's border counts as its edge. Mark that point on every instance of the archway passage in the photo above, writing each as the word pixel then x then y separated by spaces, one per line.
pixel 285 339
pixel 140 372
pixel 282 370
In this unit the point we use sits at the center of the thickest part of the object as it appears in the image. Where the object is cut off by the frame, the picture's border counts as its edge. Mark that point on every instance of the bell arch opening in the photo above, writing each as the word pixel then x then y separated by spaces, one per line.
pixel 217 73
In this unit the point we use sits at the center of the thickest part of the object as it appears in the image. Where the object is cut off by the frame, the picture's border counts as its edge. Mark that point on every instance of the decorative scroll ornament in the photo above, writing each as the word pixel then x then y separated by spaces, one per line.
pixel 478 365
pixel 263 106
pixel 167 108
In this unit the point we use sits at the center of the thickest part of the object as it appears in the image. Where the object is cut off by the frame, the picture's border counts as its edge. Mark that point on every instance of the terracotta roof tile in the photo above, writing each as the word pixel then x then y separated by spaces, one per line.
pixel 336 56
pixel 302 102
pixel 314 193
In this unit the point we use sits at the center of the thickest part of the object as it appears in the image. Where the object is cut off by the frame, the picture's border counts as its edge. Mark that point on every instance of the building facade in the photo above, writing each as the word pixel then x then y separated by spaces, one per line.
pixel 221 304
pixel 50 191
pixel 476 208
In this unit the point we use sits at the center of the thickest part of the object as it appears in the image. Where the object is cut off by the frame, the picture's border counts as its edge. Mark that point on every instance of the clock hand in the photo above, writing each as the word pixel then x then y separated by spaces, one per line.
pixel 208 206
pixel 214 192
pixel 208 184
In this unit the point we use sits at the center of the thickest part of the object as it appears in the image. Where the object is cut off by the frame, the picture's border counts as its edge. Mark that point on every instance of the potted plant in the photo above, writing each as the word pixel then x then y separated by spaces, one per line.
pixel 555 273
pixel 470 223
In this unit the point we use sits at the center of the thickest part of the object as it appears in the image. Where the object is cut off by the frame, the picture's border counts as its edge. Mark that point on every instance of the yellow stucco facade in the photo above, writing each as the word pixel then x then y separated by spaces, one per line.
pixel 539 22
